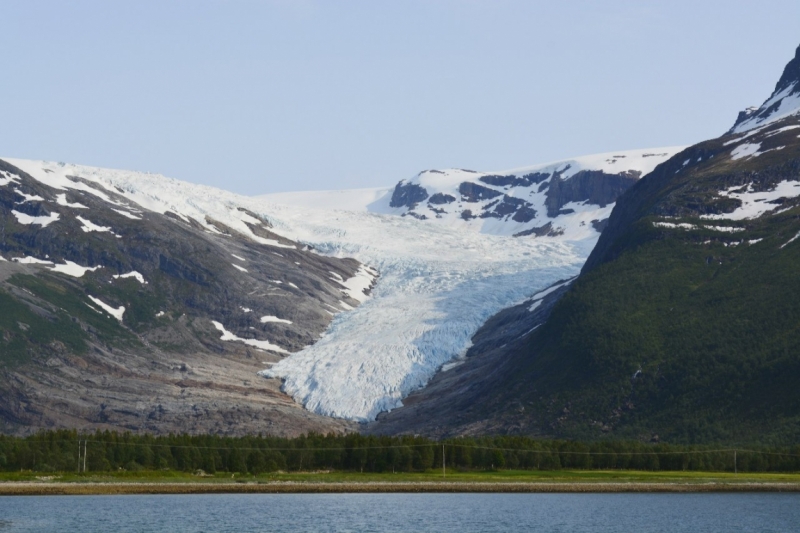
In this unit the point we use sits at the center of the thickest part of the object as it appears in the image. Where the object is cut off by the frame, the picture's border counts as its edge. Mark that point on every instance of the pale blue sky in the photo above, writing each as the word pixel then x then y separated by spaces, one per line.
pixel 268 96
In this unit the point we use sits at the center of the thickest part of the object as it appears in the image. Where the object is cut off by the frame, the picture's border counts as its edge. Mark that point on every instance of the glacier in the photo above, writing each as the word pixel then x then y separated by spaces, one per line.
pixel 437 286
pixel 438 280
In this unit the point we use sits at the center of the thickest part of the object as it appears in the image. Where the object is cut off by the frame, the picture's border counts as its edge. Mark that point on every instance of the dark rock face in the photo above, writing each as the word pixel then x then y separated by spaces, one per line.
pixel 524 214
pixel 521 210
pixel 535 177
pixel 408 195
pixel 441 198
pixel 514 181
pixel 466 214
pixel 791 74
pixel 546 230
pixel 502 181
pixel 600 225
pixel 77 366
pixel 472 192
pixel 593 186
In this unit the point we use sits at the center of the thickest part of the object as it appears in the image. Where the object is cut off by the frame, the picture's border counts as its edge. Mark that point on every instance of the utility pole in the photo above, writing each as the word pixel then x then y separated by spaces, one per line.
pixel 735 466
pixel 84 455
pixel 443 468
pixel 79 456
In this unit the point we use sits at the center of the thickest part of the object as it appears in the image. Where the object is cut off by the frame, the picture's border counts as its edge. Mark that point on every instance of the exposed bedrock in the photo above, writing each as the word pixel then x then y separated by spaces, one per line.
pixel 472 192
pixel 408 195
pixel 592 186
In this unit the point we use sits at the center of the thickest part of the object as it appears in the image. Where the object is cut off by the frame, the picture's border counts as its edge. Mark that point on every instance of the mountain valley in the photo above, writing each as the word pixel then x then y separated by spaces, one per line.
pixel 645 294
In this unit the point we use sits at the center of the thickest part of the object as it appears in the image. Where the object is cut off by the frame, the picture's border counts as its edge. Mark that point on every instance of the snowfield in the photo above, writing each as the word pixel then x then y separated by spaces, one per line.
pixel 433 282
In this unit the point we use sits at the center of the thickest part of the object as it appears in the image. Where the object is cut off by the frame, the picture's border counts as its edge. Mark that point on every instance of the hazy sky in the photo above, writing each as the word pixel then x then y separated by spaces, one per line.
pixel 268 96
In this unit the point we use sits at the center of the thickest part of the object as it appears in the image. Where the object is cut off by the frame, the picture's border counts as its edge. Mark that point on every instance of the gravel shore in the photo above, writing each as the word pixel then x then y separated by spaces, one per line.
pixel 48 488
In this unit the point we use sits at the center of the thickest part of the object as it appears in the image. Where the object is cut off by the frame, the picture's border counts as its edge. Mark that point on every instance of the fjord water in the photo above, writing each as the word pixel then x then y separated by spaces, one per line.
pixel 407 513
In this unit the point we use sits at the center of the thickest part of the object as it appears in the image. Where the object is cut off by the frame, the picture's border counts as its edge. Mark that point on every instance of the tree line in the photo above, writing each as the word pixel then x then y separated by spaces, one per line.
pixel 69 451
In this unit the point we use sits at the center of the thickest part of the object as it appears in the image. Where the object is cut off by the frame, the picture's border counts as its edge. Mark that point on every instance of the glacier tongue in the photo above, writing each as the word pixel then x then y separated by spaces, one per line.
pixel 437 286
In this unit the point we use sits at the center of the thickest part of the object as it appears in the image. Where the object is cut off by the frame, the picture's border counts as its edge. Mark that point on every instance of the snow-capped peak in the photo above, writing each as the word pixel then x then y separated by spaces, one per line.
pixel 784 101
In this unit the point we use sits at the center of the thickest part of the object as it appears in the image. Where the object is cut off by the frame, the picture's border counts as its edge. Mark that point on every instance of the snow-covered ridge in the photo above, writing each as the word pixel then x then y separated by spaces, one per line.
pixel 507 202
pixel 151 192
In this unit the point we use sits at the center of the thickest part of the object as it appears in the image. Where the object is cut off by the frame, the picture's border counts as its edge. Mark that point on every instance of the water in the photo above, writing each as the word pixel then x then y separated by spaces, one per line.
pixel 406 513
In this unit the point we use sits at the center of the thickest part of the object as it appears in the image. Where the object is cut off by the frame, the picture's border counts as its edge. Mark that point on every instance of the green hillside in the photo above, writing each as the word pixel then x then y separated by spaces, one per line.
pixel 682 327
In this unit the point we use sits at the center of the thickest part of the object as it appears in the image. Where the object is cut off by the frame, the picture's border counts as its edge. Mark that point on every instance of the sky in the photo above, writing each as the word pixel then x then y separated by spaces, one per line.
pixel 282 95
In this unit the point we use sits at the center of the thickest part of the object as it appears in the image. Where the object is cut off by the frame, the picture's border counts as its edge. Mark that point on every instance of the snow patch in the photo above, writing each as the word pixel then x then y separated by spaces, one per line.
pixel 538 298
pixel 29 197
pixel 784 245
pixel 89 226
pixel 61 199
pixel 684 226
pixel 23 218
pixel 73 269
pixel 126 214
pixel 31 261
pixel 263 345
pixel 115 312
pixel 237 267
pixel 745 150
pixel 266 319
pixel 132 274
pixel 535 305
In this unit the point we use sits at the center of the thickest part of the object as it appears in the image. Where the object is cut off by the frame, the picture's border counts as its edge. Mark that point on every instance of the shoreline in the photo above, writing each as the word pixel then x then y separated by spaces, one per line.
pixel 115 488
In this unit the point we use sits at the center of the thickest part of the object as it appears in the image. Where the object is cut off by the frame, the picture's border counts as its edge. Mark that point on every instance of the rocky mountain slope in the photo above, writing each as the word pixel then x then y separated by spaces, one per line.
pixel 683 325
pixel 125 309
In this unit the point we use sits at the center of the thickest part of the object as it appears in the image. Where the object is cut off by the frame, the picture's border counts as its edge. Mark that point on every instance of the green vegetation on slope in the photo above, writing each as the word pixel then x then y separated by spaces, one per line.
pixel 684 335
pixel 23 331
pixel 71 300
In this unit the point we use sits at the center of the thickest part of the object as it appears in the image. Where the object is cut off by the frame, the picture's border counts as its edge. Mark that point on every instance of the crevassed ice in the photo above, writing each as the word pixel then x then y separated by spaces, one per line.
pixel 437 286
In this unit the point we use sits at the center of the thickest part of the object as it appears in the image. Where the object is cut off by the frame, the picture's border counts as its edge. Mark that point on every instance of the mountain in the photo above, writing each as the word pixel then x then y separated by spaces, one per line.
pixel 783 102
pixel 570 198
pixel 131 301
pixel 134 301
pixel 683 325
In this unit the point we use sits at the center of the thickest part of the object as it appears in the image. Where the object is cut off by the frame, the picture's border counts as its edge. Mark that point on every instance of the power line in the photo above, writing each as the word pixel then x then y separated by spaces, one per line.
pixel 428 445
